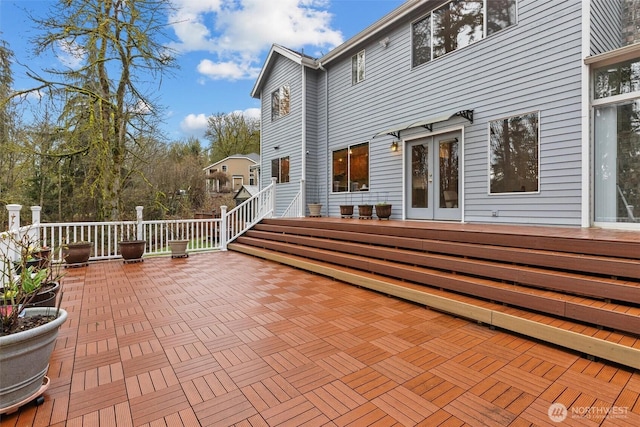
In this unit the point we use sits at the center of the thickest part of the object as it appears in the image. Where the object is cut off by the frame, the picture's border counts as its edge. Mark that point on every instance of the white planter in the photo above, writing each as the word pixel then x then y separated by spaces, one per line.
pixel 178 248
pixel 24 357
pixel 315 209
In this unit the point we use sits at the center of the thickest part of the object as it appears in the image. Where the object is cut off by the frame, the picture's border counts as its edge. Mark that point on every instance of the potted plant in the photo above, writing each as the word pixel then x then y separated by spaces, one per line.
pixel 76 254
pixel 27 335
pixel 132 250
pixel 178 244
pixel 346 210
pixel 315 209
pixel 365 210
pixel 383 210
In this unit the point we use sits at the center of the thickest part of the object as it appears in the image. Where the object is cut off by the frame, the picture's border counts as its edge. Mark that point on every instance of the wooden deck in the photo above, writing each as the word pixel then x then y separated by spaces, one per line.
pixel 223 339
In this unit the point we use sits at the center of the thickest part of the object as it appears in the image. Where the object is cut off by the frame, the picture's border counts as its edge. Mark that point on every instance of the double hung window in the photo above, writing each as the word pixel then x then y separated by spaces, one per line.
pixel 280 103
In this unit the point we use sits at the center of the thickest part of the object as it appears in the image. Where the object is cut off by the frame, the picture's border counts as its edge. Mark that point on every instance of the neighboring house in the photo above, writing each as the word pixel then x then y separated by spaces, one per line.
pixel 513 111
pixel 240 169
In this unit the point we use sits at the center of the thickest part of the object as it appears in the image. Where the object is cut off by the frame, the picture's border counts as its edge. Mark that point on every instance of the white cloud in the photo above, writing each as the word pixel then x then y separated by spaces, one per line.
pixel 250 113
pixel 228 70
pixel 236 32
pixel 194 124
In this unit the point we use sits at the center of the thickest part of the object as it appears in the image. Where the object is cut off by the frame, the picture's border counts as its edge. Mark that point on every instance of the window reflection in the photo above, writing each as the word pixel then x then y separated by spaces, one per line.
pixel 351 168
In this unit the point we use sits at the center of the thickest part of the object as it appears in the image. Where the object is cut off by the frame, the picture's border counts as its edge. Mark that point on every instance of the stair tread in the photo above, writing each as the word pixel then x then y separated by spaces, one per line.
pixel 632 340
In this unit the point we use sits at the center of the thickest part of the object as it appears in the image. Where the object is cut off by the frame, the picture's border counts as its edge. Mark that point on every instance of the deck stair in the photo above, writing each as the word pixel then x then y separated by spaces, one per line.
pixel 575 288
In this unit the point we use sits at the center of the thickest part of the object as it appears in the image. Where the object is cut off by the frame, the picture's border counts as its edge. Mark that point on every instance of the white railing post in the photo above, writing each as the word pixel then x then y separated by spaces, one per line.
pixel 35 222
pixel 14 217
pixel 224 229
pixel 139 227
pixel 303 198
pixel 273 196
pixel 14 231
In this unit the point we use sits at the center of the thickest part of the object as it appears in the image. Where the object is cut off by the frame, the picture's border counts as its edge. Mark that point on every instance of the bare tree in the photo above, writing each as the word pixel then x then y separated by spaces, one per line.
pixel 108 108
pixel 232 134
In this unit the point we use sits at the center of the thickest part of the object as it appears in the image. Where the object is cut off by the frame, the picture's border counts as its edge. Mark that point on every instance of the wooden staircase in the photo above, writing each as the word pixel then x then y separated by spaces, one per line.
pixel 575 288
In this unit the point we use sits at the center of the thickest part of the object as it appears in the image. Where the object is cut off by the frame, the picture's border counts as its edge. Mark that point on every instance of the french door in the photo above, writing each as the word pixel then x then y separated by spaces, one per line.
pixel 433 177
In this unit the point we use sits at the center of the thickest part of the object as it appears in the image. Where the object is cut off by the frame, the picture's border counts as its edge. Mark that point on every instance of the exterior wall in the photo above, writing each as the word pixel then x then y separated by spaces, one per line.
pixel 284 132
pixel 533 66
pixel 606 25
pixel 316 137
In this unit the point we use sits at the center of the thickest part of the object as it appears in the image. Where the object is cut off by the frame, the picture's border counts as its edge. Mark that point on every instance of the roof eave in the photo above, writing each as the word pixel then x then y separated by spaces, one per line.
pixel 289 54
pixel 391 18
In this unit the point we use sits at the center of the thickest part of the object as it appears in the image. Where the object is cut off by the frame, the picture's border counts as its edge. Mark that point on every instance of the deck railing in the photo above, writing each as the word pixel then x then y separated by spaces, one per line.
pixel 203 234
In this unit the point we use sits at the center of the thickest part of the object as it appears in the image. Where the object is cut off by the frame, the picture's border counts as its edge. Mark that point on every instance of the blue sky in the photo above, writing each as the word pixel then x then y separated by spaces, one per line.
pixel 222 45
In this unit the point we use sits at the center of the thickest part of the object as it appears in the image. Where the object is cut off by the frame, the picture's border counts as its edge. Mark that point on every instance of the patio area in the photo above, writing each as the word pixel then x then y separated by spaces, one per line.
pixel 223 338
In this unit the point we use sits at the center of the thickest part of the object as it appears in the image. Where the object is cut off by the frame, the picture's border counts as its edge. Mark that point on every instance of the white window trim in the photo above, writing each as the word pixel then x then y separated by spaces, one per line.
pixel 358 63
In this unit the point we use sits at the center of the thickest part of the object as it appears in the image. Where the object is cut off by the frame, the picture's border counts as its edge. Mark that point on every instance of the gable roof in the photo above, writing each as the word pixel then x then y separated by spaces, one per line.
pixel 255 158
pixel 276 49
pixel 392 18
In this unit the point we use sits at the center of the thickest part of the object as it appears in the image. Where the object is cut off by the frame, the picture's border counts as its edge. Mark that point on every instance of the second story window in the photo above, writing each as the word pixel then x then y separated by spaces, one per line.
pixel 280 105
pixel 357 67
pixel 458 23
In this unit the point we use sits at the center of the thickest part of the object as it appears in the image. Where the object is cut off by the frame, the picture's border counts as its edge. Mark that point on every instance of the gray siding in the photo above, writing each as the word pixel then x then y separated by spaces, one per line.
pixel 533 66
pixel 606 25
pixel 284 132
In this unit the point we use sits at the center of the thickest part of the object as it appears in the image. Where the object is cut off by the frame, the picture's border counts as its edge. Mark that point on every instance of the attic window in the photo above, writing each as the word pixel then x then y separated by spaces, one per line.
pixel 357 67
pixel 280 102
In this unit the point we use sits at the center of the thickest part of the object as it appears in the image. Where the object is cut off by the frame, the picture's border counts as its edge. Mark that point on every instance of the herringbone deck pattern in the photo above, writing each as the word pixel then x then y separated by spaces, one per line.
pixel 225 339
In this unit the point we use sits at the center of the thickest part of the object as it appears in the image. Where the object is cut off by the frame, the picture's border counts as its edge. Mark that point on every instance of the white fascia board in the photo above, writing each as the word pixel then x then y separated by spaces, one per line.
pixel 379 26
pixel 282 51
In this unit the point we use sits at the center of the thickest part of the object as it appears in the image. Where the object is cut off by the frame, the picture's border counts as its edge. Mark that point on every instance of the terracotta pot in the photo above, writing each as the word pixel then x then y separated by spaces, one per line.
pixel 77 253
pixel 132 249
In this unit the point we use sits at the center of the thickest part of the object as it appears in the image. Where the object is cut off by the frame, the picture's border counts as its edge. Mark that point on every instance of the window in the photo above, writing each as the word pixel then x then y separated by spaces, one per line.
pixel 280 169
pixel 280 102
pixel 351 168
pixel 457 24
pixel 514 147
pixel 224 168
pixel 357 68
pixel 617 79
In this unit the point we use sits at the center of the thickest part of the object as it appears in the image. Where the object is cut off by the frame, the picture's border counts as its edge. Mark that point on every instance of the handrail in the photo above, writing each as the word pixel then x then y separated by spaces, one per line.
pixel 203 234
pixel 248 213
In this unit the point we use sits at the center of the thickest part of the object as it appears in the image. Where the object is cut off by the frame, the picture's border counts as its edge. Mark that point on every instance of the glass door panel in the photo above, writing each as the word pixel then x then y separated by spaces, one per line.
pixel 433 172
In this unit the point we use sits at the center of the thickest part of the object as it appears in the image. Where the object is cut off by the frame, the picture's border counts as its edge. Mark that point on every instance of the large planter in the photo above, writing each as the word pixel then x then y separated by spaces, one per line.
pixel 315 209
pixel 365 211
pixel 346 211
pixel 24 357
pixel 77 254
pixel 179 248
pixel 132 250
pixel 383 211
